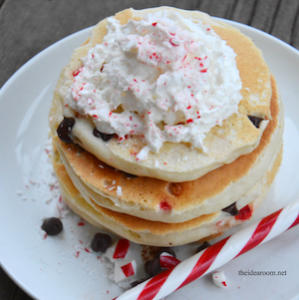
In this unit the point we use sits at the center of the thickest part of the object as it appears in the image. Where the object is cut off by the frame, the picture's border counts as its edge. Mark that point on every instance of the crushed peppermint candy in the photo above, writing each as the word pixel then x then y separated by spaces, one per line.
pixel 118 250
pixel 219 279
pixel 124 269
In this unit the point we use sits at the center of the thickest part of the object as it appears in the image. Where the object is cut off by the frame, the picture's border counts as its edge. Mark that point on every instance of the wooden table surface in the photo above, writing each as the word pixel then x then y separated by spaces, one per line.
pixel 29 26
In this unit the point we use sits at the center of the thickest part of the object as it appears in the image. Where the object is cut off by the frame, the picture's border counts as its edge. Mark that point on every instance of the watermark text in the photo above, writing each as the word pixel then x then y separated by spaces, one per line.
pixel 262 273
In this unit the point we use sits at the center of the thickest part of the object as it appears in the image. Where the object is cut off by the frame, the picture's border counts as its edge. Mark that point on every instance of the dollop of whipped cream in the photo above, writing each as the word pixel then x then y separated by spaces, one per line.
pixel 163 78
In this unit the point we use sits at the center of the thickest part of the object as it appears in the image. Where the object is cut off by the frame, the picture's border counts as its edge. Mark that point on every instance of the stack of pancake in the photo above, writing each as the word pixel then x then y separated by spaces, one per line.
pixel 180 194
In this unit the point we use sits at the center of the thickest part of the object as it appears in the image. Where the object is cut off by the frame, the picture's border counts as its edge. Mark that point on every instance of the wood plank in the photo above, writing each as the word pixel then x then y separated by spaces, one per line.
pixel 9 290
pixel 219 9
pixel 260 16
pixel 1 3
pixel 285 20
pixel 295 31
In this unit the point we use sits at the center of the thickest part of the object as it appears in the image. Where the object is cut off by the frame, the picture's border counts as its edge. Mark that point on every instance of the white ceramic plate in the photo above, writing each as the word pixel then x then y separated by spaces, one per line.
pixel 47 268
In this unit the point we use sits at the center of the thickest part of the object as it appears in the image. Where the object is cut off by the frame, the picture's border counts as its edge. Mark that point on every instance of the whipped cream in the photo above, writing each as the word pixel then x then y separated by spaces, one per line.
pixel 163 78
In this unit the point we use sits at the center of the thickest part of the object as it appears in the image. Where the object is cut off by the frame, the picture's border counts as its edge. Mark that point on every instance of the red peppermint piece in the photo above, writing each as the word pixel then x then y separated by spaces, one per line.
pixel 167 261
pixel 189 121
pixel 75 73
pixel 128 269
pixel 154 24
pixel 121 249
pixel 174 42
pixel 244 213
pixel 164 205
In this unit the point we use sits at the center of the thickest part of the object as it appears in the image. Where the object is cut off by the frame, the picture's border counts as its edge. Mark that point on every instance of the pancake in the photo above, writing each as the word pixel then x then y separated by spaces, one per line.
pixel 180 191
pixel 159 233
pixel 158 200
pixel 177 162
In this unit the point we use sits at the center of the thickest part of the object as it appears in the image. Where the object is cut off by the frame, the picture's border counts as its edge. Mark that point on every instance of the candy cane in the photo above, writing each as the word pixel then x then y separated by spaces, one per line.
pixel 215 256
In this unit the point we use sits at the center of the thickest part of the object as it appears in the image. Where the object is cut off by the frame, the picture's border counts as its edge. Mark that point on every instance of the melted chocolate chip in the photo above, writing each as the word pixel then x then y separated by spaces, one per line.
pixel 64 130
pixel 255 121
pixel 165 249
pixel 101 242
pixel 152 267
pixel 104 136
pixel 203 246
pixel 52 226
pixel 133 284
pixel 231 209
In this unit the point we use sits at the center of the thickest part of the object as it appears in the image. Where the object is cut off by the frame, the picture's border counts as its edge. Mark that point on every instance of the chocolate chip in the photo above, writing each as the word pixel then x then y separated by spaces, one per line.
pixel 134 283
pixel 231 209
pixel 104 136
pixel 101 242
pixel 64 130
pixel 165 249
pixel 203 246
pixel 152 267
pixel 255 121
pixel 52 226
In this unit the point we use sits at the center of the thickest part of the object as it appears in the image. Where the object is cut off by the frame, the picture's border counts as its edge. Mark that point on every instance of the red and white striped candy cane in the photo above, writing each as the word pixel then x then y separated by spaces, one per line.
pixel 215 256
